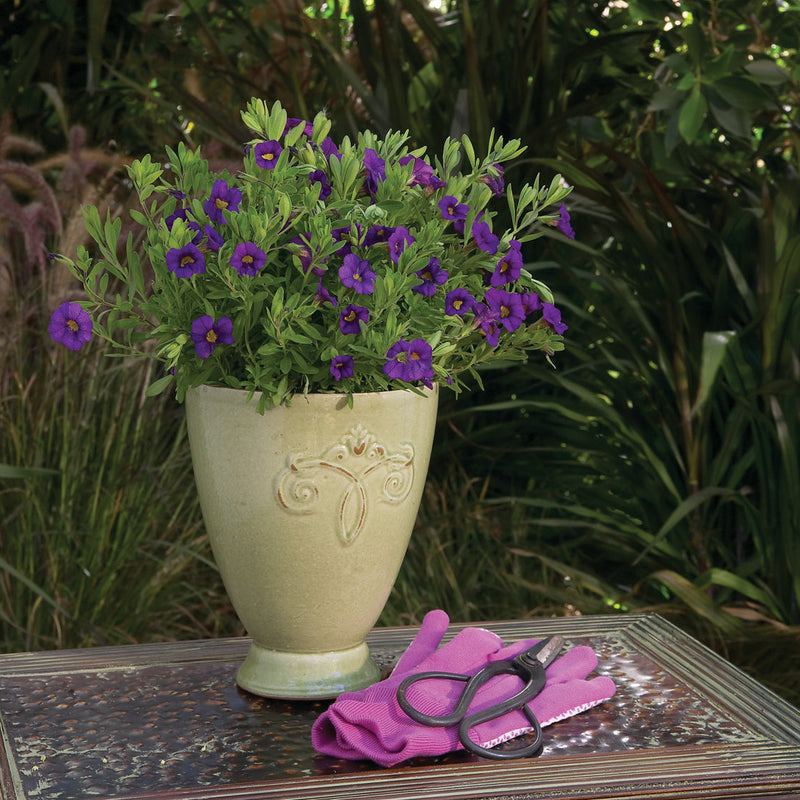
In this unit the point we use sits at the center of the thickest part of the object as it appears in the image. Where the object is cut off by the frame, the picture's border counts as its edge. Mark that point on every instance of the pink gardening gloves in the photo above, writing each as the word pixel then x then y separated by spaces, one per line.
pixel 370 724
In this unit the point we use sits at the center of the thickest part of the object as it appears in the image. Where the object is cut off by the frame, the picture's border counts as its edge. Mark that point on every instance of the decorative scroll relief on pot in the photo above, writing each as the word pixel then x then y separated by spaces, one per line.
pixel 360 467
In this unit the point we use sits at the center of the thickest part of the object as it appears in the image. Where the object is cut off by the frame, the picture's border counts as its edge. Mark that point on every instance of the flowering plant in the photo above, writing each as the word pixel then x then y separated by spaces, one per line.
pixel 320 267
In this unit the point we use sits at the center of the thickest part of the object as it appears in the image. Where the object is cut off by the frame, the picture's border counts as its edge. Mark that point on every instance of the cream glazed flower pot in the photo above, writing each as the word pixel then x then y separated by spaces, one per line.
pixel 309 510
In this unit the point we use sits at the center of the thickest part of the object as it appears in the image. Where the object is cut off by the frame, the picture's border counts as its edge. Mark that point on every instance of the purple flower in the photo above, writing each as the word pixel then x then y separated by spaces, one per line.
pixel 178 213
pixel 329 149
pixel 214 240
pixel 432 276
pixel 507 307
pixel 198 232
pixel 351 318
pixel 186 261
pixel 293 122
pixel 377 234
pixel 70 325
pixel 355 273
pixel 375 168
pixel 342 367
pixel 496 184
pixel 409 361
pixel 452 209
pixel 345 235
pixel 458 302
pixel 486 320
pixel 207 334
pixel 531 302
pixel 552 316
pixel 422 174
pixel 267 154
pixel 563 223
pixel 324 296
pixel 305 255
pixel 484 238
pixel 248 259
pixel 222 198
pixel 508 267
pixel 398 241
pixel 319 176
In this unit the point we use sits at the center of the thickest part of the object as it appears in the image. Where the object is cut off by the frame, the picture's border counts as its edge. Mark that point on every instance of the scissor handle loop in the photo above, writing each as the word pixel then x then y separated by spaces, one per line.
pixel 471 721
pixel 534 677
pixel 435 721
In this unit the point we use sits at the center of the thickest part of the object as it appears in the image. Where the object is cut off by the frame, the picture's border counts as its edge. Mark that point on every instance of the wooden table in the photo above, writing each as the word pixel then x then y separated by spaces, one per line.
pixel 157 721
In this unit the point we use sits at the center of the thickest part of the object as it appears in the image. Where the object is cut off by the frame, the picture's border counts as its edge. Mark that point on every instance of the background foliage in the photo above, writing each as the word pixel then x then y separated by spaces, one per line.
pixel 656 468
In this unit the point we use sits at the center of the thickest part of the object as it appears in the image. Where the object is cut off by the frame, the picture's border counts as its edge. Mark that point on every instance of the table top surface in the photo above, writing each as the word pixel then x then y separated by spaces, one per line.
pixel 167 720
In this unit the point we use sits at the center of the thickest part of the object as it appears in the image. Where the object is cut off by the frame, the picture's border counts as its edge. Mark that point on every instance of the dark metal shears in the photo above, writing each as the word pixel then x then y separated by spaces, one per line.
pixel 529 665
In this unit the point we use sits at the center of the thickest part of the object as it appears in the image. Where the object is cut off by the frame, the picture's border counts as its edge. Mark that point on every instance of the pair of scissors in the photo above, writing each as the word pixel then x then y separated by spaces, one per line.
pixel 529 665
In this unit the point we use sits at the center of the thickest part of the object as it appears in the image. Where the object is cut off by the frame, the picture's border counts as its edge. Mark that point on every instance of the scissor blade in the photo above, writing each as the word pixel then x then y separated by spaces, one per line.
pixel 551 649
pixel 545 651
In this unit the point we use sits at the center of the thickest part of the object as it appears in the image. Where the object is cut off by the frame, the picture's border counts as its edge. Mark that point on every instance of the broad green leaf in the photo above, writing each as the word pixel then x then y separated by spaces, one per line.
pixel 692 115
pixel 742 92
pixel 734 121
pixel 158 386
pixel 766 71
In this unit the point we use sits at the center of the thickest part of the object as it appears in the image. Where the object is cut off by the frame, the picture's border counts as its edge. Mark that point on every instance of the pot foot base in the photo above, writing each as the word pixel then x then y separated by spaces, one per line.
pixel 311 676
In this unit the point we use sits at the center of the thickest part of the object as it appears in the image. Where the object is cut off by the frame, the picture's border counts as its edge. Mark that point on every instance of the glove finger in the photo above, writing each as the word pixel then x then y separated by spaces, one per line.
pixel 562 700
pixel 577 662
pixel 425 642
pixel 554 703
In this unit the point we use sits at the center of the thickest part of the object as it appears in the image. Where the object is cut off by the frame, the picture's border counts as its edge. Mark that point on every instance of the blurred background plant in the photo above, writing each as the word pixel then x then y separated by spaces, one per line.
pixel 666 475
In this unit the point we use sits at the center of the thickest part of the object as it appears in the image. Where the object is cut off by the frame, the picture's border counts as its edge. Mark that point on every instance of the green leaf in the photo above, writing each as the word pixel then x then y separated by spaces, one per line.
pixel 37 590
pixel 158 386
pixel 10 471
pixel 696 599
pixel 692 115
pixel 734 121
pixel 715 345
pixel 683 510
pixel 722 577
pixel 742 92
pixel 665 98
pixel 719 66
pixel 695 41
pixel 277 303
pixel 768 72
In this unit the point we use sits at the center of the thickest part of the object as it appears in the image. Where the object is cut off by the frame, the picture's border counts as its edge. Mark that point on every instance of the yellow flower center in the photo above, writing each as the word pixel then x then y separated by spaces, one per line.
pixel 457 304
pixel 211 336
pixel 350 317
pixel 247 259
pixel 426 275
pixel 72 325
pixel 187 259
pixel 221 204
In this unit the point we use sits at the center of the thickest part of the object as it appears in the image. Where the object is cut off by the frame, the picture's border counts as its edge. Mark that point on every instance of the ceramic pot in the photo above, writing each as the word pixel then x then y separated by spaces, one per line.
pixel 309 510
